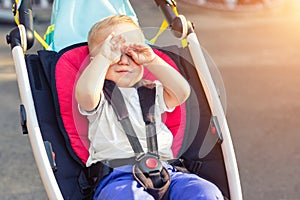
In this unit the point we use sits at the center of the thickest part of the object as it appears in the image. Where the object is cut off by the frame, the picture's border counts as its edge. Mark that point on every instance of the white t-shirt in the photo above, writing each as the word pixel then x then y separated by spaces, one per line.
pixel 107 137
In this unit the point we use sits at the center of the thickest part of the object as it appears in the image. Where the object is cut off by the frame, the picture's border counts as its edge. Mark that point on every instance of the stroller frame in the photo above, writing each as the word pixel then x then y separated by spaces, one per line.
pixel 21 39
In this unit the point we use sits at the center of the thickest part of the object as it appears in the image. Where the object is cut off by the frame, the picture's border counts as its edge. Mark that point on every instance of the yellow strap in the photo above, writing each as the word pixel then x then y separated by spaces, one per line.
pixel 175 10
pixel 36 35
pixel 164 26
pixel 41 40
pixel 49 30
pixel 183 41
pixel 16 16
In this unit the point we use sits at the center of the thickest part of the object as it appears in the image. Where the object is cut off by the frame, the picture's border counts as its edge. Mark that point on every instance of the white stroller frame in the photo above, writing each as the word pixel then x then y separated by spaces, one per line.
pixel 21 39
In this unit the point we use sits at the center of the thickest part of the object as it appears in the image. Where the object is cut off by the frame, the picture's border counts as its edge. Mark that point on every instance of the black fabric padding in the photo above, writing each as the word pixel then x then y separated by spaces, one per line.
pixel 68 169
pixel 212 166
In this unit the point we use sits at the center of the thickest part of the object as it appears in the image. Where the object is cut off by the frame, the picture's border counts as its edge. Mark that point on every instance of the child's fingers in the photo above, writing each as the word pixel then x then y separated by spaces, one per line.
pixel 121 39
pixel 111 48
pixel 117 42
pixel 118 39
pixel 110 37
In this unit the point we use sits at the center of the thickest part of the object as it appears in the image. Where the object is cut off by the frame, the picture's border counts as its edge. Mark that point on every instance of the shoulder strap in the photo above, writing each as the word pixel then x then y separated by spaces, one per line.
pixel 147 101
pixel 115 98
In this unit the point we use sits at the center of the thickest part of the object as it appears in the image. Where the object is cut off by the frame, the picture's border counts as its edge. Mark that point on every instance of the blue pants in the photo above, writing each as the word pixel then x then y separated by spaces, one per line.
pixel 120 184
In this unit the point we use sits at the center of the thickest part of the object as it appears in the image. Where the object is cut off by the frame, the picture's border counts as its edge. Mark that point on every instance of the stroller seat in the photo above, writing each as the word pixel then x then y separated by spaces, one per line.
pixel 53 78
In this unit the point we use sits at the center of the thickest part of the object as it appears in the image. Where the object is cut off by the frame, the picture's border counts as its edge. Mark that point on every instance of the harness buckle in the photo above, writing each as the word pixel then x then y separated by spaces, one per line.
pixel 151 174
pixel 149 164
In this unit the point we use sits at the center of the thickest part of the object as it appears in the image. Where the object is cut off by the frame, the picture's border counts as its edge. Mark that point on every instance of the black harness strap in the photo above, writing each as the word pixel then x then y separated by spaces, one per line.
pixel 115 98
pixel 147 101
pixel 148 169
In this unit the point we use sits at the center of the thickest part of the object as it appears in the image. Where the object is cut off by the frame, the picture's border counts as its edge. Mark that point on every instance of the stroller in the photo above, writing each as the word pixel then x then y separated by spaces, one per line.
pixel 58 133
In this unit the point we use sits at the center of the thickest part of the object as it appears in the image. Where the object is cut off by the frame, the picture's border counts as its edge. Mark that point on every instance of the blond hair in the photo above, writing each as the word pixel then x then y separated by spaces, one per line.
pixel 103 28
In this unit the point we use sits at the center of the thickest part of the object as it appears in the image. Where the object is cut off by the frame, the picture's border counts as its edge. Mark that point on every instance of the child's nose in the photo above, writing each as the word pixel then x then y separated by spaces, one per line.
pixel 124 60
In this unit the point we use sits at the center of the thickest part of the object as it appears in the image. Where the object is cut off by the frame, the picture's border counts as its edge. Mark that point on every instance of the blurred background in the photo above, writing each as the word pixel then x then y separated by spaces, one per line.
pixel 254 43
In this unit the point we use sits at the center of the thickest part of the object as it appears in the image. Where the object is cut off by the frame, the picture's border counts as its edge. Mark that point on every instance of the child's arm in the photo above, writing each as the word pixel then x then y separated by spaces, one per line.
pixel 176 88
pixel 90 83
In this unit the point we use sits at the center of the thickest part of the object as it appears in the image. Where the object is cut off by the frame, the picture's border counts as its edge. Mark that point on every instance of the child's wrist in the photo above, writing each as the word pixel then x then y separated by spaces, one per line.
pixel 152 61
pixel 101 58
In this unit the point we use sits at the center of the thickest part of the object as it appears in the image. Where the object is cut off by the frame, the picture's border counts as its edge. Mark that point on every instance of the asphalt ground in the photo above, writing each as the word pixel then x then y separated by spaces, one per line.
pixel 257 53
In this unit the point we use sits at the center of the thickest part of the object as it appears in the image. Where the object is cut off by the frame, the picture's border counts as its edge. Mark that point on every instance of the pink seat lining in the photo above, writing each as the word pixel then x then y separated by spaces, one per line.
pixel 68 69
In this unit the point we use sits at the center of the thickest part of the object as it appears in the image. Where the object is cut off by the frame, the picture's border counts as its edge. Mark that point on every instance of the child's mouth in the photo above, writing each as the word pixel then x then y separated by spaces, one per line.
pixel 124 71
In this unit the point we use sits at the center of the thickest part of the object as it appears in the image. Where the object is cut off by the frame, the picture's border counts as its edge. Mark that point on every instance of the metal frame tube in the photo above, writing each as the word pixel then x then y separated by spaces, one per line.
pixel 217 110
pixel 34 131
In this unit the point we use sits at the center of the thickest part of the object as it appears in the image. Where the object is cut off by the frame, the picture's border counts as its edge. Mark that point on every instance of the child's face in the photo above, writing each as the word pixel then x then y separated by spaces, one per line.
pixel 125 73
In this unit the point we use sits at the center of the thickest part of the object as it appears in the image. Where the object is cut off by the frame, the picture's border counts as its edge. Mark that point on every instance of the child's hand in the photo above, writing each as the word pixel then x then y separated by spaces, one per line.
pixel 111 47
pixel 140 53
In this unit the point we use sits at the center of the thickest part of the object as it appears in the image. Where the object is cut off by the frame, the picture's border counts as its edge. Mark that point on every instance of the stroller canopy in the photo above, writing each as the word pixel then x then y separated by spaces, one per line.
pixel 69 26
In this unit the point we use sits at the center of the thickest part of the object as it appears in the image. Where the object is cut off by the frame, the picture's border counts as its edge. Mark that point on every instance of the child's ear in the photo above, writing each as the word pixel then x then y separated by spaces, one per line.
pixel 91 58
